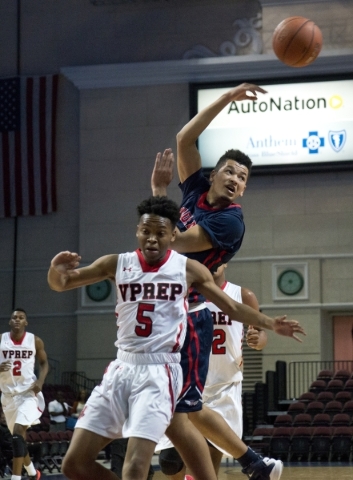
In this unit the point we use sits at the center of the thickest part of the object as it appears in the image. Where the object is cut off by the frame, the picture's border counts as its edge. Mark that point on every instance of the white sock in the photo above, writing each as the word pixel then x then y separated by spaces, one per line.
pixel 30 469
pixel 15 477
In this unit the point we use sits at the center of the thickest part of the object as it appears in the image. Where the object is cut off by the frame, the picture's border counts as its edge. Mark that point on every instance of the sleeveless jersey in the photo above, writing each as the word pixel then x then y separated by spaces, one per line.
pixel 22 357
pixel 225 226
pixel 151 305
pixel 226 361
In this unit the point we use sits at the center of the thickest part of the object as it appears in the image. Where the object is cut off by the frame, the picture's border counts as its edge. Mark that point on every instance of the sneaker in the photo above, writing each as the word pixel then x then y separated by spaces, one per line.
pixel 189 477
pixel 36 476
pixel 264 469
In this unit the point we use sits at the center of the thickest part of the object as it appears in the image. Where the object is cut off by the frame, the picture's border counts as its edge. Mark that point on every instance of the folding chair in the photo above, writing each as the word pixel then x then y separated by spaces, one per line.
pixel 296 408
pixel 335 386
pixel 341 444
pixel 343 396
pixel 320 444
pixel 321 420
pixel 315 407
pixel 342 374
pixel 280 443
pixel 260 440
pixel 302 420
pixel 307 397
pixel 300 444
pixel 284 420
pixel 325 397
pixel 333 407
pixel 340 420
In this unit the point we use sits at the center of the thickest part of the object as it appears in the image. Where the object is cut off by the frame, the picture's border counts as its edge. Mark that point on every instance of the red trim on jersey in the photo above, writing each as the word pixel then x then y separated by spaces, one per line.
pixel 201 203
pixel 172 399
pixel 19 342
pixel 151 268
pixel 224 285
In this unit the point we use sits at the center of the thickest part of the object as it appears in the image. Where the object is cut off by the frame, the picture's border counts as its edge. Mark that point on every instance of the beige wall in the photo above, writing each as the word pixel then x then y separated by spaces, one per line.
pixel 112 122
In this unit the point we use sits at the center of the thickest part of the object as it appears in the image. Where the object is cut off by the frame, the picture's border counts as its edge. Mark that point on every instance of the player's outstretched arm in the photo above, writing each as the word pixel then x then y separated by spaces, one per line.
pixel 162 173
pixel 256 338
pixel 188 157
pixel 199 276
pixel 64 273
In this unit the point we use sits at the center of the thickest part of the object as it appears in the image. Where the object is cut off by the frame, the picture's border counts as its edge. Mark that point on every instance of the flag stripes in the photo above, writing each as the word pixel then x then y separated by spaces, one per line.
pixel 27 151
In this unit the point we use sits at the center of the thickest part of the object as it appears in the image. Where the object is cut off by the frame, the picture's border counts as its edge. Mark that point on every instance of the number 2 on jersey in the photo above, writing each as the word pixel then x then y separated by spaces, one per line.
pixel 219 338
pixel 145 320
pixel 16 371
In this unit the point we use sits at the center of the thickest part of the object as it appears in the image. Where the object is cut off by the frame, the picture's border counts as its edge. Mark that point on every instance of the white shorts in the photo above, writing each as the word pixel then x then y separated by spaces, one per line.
pixel 227 401
pixel 133 400
pixel 23 408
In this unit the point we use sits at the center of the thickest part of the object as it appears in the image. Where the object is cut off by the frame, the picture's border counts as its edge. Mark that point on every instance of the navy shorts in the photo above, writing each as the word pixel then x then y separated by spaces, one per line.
pixel 195 357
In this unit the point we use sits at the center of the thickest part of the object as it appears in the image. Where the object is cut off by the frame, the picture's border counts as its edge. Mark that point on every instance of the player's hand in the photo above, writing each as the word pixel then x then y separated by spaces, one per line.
pixel 245 91
pixel 252 337
pixel 5 366
pixel 65 263
pixel 288 328
pixel 162 173
pixel 36 387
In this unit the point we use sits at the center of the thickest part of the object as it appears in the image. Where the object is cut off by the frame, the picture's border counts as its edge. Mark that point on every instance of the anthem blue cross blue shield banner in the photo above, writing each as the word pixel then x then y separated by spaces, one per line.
pixel 294 123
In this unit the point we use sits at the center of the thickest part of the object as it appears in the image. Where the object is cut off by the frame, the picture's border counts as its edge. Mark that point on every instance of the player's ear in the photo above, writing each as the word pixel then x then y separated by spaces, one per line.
pixel 212 174
pixel 173 235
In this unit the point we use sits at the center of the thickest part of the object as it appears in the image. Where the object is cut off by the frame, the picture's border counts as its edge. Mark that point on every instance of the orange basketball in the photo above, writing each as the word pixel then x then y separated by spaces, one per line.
pixel 297 41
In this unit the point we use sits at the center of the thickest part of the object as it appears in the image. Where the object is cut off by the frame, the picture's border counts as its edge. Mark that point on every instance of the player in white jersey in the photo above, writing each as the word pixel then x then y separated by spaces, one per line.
pixel 22 400
pixel 138 392
pixel 223 385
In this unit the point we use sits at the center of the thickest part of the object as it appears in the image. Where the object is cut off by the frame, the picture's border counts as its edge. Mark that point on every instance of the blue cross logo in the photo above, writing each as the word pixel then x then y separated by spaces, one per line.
pixel 313 142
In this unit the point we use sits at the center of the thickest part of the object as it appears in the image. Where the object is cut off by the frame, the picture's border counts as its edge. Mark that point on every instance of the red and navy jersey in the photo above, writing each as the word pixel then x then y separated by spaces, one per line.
pixel 225 226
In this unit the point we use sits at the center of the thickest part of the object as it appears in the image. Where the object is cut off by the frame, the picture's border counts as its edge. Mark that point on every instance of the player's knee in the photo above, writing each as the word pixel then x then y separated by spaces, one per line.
pixel 19 446
pixel 71 468
pixel 170 461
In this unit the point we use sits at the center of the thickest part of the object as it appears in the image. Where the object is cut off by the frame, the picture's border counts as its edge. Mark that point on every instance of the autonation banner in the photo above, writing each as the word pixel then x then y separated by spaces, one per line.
pixel 294 123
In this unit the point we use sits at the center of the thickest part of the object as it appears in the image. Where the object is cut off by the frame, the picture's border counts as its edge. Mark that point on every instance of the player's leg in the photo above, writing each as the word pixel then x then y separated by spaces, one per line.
pixel 212 425
pixel 19 449
pixel 80 462
pixel 216 457
pixel 192 447
pixel 138 458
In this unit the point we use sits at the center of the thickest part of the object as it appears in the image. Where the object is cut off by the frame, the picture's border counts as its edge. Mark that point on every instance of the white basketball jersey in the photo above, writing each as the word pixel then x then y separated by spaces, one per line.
pixel 151 305
pixel 226 360
pixel 22 357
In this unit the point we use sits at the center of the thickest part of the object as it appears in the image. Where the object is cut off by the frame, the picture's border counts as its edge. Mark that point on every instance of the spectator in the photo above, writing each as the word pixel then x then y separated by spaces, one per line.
pixel 58 411
pixel 80 402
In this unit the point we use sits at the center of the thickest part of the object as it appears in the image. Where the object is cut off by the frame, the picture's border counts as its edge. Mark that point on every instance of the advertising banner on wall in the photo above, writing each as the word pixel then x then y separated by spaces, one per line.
pixel 293 124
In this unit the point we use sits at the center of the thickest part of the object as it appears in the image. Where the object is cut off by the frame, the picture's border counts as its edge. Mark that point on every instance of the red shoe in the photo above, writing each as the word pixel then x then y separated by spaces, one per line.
pixel 36 476
pixel 189 477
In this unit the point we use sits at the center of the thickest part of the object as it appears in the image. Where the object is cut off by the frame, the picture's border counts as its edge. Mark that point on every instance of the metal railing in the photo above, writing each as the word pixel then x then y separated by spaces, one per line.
pixel 79 381
pixel 302 374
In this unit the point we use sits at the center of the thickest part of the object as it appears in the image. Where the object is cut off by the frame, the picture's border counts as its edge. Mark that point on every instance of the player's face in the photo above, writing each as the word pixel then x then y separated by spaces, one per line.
pixel 154 235
pixel 228 183
pixel 18 321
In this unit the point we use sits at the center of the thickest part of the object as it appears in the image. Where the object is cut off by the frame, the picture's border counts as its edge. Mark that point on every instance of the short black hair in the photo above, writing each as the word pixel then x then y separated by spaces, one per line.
pixel 161 206
pixel 19 310
pixel 236 155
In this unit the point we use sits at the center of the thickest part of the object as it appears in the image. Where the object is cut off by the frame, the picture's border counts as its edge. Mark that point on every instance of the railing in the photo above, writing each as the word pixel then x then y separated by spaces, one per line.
pixel 79 381
pixel 54 371
pixel 302 374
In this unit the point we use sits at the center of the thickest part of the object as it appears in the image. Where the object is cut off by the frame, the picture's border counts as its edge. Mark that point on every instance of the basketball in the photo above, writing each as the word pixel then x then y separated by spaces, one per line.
pixel 297 41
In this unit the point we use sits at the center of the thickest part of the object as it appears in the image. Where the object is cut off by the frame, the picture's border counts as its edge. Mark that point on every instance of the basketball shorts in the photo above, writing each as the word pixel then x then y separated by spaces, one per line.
pixel 227 401
pixel 134 399
pixel 195 356
pixel 23 408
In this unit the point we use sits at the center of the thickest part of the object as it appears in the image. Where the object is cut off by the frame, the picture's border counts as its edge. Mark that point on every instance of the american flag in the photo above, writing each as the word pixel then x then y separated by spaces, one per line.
pixel 27 145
